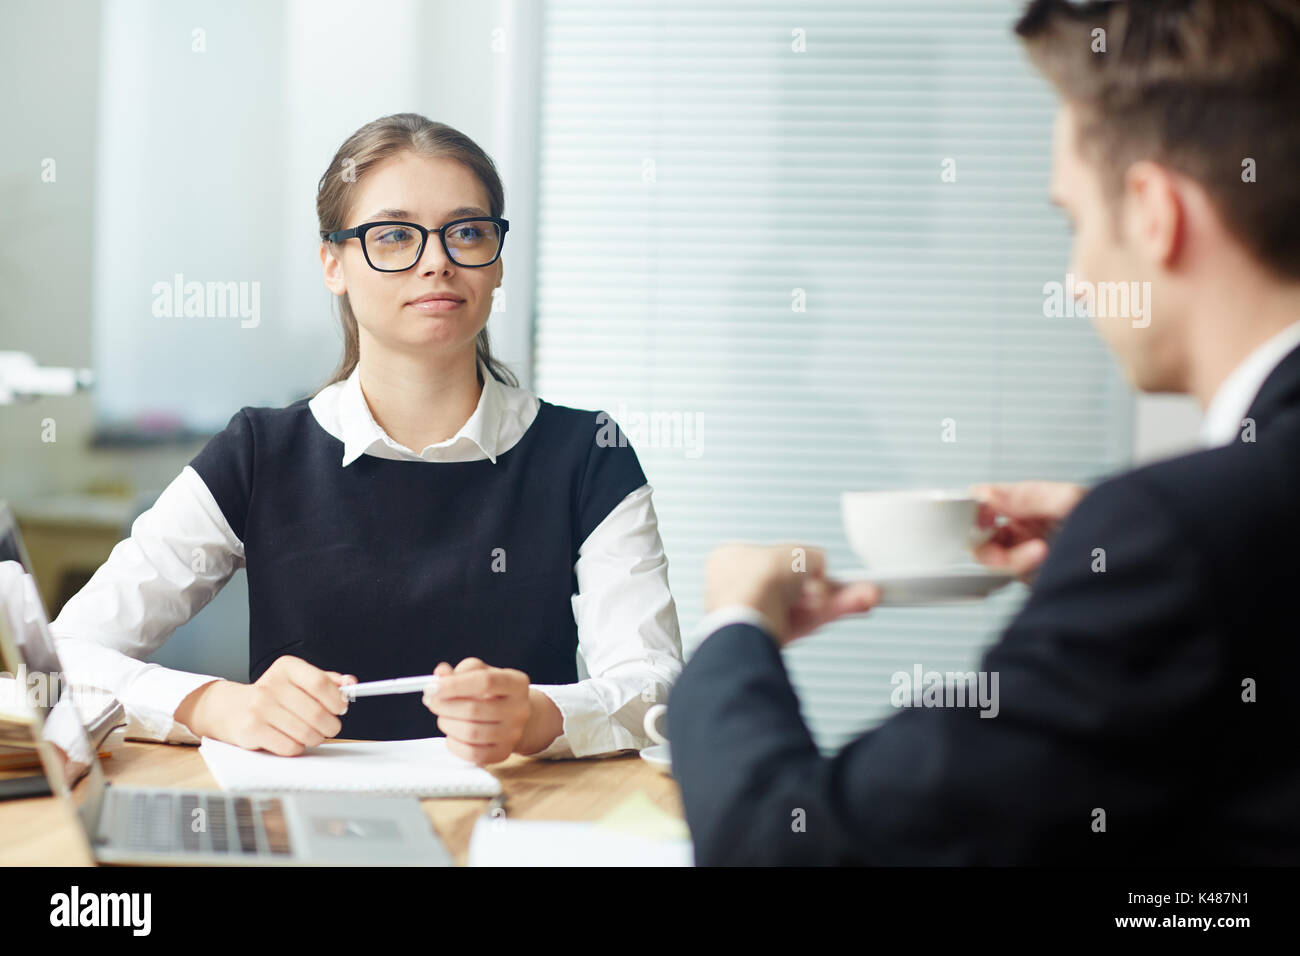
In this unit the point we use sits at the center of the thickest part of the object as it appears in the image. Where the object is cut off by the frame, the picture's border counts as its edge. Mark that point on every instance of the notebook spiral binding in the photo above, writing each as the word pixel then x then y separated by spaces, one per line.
pixel 451 790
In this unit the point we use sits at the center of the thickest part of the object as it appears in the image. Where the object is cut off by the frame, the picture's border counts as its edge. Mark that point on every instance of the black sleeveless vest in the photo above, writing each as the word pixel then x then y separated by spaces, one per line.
pixel 386 568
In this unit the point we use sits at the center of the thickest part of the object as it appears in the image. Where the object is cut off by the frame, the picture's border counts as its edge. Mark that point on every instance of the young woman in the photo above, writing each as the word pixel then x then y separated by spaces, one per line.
pixel 421 513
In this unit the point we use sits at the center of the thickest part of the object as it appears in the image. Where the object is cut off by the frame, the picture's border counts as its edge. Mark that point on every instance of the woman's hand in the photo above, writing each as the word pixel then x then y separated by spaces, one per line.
pixel 292 706
pixel 1032 511
pixel 488 713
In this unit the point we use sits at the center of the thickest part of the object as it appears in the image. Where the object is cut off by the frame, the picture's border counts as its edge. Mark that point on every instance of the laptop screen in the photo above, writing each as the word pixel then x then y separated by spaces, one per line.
pixel 28 621
pixel 10 547
pixel 40 709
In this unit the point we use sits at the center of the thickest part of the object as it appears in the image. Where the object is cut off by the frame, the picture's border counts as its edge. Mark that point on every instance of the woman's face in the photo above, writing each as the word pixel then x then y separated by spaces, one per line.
pixel 430 191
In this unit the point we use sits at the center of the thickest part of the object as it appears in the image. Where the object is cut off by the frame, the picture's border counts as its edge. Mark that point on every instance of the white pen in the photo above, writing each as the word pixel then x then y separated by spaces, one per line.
pixel 397 685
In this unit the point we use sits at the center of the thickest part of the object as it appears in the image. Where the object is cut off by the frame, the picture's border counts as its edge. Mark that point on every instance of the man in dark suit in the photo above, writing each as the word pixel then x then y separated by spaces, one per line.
pixel 1145 711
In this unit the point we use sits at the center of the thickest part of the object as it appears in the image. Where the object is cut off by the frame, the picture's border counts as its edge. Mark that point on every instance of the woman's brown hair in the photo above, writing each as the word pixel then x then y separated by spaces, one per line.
pixel 371 145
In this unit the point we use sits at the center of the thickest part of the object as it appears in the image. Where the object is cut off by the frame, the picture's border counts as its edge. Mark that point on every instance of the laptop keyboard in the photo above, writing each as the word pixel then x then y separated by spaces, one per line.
pixel 169 823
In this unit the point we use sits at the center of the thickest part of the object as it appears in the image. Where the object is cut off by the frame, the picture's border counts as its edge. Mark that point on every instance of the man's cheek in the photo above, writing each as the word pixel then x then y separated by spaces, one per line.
pixel 1086 256
pixel 1117 335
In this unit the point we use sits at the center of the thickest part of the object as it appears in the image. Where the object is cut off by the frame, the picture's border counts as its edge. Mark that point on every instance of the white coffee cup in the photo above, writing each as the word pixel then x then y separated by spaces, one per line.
pixel 659 756
pixel 912 530
pixel 651 723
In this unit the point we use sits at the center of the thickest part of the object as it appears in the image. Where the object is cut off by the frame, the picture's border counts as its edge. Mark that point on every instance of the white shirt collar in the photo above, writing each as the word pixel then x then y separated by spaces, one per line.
pixel 1223 417
pixel 503 414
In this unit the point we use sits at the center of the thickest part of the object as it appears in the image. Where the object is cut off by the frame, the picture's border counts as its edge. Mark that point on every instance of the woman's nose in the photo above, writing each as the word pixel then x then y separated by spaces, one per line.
pixel 434 258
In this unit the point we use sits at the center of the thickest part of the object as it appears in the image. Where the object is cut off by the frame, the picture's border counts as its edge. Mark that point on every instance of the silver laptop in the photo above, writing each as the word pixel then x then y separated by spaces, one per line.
pixel 160 826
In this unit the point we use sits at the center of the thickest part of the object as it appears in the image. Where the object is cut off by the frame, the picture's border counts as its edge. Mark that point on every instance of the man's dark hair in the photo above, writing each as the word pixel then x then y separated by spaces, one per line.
pixel 1199 86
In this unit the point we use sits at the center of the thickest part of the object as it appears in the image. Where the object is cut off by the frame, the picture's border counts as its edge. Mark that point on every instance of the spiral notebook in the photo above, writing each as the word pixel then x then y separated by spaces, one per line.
pixel 421 768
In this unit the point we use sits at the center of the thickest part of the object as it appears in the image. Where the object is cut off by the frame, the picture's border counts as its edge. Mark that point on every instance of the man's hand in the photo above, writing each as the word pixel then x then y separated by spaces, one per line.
pixel 787 584
pixel 1030 512
pixel 292 706
pixel 484 711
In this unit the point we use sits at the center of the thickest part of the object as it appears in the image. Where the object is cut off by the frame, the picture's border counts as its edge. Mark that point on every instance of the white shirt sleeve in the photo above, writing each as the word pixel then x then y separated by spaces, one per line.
pixel 627 633
pixel 180 553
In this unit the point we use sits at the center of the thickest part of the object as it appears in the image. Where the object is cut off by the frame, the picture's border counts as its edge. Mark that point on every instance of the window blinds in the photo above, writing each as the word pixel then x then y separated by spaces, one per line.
pixel 797 249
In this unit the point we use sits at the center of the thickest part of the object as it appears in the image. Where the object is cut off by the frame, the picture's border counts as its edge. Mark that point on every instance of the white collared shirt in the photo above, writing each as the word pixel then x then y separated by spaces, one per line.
pixel 626 618
pixel 500 419
pixel 1222 423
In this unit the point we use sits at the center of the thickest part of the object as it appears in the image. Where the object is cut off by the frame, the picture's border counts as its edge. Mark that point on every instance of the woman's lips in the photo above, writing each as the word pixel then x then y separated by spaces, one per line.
pixel 436 305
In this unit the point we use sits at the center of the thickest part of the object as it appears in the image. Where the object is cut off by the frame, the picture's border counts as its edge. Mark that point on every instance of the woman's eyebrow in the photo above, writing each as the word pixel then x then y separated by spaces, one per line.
pixel 407 215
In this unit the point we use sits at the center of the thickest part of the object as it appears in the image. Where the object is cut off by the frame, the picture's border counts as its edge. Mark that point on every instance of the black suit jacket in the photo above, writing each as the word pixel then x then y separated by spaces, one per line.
pixel 1119 691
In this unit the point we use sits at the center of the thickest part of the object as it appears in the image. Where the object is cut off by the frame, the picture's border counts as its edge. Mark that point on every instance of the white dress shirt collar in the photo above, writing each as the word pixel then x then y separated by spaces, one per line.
pixel 500 419
pixel 1223 417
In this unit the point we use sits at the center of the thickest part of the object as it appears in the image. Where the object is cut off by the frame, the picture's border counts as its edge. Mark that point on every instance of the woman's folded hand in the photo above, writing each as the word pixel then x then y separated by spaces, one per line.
pixel 483 710
pixel 292 706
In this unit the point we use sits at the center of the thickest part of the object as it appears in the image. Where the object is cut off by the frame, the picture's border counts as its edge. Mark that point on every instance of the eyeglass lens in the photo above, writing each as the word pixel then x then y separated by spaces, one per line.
pixel 471 243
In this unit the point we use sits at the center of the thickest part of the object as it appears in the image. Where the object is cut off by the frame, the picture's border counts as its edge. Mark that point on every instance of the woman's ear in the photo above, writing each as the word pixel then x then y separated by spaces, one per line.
pixel 332 270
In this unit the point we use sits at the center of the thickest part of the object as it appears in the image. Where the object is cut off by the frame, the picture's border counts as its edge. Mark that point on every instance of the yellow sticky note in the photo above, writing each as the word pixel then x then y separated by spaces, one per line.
pixel 638 814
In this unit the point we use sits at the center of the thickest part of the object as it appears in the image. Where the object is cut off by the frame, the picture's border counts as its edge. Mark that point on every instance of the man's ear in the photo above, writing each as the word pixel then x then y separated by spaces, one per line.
pixel 1154 214
pixel 332 270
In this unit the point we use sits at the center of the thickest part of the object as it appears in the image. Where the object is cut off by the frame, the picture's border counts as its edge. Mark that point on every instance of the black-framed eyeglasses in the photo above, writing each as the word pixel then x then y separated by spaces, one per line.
pixel 395 246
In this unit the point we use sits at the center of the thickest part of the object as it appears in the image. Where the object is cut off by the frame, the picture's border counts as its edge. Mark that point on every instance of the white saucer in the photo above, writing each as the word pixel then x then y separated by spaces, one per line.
pixel 936 586
pixel 659 758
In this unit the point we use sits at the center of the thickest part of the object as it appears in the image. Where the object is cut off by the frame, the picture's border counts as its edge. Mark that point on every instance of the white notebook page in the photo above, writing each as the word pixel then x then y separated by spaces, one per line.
pixel 424 768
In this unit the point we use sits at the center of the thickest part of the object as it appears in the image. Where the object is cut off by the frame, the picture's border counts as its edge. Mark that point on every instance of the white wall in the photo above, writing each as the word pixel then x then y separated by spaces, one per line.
pixel 49 55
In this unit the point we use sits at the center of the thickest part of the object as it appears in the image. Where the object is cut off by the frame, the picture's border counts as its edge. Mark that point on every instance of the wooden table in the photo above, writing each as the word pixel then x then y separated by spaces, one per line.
pixel 41 831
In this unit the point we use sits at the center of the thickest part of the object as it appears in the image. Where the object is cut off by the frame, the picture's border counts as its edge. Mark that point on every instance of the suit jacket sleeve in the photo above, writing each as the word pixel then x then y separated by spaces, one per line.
pixel 1105 681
